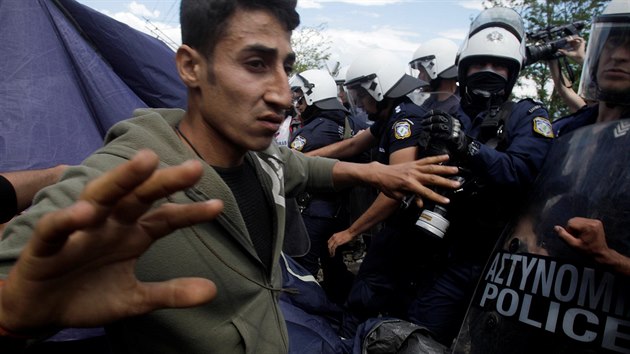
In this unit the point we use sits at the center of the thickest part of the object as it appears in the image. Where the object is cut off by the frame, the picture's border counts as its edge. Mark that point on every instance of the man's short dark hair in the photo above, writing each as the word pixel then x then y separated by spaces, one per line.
pixel 203 22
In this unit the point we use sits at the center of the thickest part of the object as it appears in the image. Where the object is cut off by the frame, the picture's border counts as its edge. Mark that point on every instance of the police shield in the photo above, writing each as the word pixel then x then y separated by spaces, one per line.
pixel 537 294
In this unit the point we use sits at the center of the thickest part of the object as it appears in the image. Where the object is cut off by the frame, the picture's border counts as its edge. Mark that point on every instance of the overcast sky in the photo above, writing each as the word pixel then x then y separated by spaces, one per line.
pixel 351 25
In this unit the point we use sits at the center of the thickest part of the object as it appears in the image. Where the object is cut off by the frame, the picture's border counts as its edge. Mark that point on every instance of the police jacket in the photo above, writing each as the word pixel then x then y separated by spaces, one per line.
pixel 501 166
pixel 324 128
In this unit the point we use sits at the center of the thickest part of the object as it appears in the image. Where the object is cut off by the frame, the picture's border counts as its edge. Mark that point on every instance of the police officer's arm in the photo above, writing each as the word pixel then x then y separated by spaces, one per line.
pixel 588 236
pixel 77 270
pixel 384 206
pixel 347 148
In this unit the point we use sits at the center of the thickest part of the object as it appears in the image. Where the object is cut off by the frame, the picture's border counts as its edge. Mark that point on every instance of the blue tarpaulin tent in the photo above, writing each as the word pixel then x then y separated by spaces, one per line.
pixel 67 74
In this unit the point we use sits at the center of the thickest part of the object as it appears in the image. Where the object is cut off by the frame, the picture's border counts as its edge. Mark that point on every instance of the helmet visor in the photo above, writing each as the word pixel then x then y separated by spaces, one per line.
pixel 424 68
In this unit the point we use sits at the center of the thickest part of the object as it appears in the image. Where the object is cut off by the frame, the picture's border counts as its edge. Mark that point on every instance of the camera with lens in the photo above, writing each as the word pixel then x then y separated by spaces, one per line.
pixel 433 219
pixel 549 40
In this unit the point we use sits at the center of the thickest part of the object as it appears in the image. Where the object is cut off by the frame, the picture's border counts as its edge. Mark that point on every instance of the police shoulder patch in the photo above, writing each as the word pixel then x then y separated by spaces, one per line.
pixel 298 143
pixel 402 129
pixel 543 127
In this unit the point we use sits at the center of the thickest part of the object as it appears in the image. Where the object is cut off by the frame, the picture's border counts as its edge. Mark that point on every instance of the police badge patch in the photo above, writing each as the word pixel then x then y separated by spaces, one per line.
pixel 402 130
pixel 542 126
pixel 298 143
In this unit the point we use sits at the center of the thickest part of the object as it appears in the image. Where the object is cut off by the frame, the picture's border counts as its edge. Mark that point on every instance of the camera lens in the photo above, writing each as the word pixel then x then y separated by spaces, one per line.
pixel 434 221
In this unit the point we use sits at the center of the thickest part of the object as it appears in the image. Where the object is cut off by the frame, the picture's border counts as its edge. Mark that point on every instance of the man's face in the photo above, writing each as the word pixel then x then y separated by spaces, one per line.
pixel 613 71
pixel 363 99
pixel 423 74
pixel 246 90
pixel 299 102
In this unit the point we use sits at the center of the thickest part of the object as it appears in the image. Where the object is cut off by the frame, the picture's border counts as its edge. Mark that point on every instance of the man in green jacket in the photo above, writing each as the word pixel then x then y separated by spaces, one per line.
pixel 92 252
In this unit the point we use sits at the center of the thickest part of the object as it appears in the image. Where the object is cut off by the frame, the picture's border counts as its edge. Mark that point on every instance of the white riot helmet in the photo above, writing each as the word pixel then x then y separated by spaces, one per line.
pixel 498 16
pixel 610 37
pixel 382 75
pixel 437 57
pixel 501 43
pixel 319 89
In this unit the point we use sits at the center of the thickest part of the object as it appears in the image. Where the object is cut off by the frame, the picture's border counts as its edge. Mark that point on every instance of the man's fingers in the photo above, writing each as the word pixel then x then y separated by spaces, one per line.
pixel 162 183
pixel 52 231
pixel 566 236
pixel 331 249
pixel 176 293
pixel 109 188
pixel 432 160
pixel 170 217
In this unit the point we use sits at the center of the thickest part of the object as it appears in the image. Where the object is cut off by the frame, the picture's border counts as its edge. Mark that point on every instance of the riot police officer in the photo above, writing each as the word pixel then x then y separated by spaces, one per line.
pixel 324 121
pixel 500 146
pixel 434 62
pixel 606 74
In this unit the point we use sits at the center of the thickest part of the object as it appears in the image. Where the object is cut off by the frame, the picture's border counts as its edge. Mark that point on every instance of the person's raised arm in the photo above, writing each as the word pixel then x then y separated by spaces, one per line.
pixel 78 268
pixel 346 148
pixel 573 101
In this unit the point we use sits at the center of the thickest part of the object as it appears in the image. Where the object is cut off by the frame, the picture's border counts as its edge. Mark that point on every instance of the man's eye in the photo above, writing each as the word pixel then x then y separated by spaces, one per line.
pixel 288 69
pixel 256 64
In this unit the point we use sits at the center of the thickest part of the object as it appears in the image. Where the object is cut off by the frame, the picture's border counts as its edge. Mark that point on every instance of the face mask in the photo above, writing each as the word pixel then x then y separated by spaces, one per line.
pixel 484 89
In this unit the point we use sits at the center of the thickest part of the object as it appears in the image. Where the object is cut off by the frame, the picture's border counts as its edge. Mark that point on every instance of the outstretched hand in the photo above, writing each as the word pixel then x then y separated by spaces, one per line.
pixel 416 177
pixel 78 268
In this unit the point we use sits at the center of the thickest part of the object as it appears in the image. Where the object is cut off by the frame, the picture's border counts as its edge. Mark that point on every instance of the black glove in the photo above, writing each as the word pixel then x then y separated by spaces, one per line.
pixel 444 128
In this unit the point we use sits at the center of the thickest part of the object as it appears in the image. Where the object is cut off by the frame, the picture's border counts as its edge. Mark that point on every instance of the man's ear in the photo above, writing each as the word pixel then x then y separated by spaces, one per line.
pixel 189 65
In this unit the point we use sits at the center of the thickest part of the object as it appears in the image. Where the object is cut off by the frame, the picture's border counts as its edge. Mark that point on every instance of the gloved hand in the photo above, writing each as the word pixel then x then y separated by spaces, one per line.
pixel 443 127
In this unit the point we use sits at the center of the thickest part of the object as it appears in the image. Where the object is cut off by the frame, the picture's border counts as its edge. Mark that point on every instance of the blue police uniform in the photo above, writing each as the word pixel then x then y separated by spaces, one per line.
pixel 503 163
pixel 392 251
pixel 324 213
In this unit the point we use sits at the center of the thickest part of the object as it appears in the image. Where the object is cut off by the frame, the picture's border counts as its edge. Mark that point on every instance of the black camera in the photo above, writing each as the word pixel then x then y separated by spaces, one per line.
pixel 549 40
pixel 433 219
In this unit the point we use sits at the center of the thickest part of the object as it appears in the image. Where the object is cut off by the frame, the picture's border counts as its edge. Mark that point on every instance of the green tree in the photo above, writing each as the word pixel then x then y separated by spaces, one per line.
pixel 539 15
pixel 311 47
